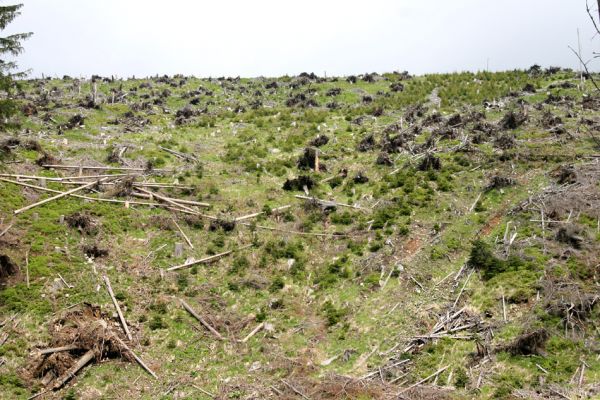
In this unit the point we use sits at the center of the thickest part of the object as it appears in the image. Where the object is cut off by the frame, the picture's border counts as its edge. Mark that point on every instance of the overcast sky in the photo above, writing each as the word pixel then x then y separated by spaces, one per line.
pixel 277 37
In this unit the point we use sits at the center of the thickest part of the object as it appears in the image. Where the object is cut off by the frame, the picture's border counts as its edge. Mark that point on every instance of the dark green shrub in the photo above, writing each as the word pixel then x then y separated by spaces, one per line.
pixel 483 258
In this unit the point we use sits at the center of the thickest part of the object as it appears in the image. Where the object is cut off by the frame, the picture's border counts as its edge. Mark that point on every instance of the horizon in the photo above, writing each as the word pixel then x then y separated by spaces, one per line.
pixel 268 39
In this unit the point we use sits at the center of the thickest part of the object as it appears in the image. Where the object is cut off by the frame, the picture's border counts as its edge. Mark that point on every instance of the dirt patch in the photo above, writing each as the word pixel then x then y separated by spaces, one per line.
pixel 491 224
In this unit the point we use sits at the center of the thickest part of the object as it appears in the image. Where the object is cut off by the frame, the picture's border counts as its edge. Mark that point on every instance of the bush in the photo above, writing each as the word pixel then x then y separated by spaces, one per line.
pixel 332 314
pixel 483 258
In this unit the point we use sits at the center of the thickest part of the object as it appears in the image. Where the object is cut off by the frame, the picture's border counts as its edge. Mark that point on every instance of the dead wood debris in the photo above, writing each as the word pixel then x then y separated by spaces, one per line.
pixel 88 334
pixel 530 343
pixel 299 183
pixel 7 268
pixel 83 222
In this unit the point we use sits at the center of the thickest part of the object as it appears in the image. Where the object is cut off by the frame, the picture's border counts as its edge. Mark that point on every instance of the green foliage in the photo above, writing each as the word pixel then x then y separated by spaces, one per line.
pixel 333 315
pixel 483 258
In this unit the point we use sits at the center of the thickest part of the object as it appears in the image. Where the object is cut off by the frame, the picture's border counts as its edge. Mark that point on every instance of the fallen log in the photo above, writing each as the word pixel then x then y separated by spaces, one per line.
pixel 39 203
pixel 103 168
pixel 114 300
pixel 275 210
pixel 82 362
pixel 201 320
pixel 208 259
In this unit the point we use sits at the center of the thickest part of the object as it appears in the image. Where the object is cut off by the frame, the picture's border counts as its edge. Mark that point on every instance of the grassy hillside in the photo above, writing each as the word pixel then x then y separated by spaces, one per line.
pixel 379 236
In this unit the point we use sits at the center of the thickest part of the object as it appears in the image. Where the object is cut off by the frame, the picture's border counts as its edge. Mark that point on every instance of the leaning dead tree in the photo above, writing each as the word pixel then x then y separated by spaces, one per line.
pixel 585 63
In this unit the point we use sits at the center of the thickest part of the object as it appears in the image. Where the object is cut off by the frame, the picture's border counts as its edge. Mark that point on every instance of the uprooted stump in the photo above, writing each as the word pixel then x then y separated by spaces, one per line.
pixel 123 188
pixel 47 159
pixel 512 120
pixel 80 336
pixel 299 183
pixel 531 343
pixel 505 142
pixel 93 251
pixel 384 159
pixel 499 182
pixel 571 235
pixel 367 143
pixel 83 222
pixel 566 174
pixel 430 162
pixel 308 160
pixel 320 140
pixel 7 268
pixel 223 224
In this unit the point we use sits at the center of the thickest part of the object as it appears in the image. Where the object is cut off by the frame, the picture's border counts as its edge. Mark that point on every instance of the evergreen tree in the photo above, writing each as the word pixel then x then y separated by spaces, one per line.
pixel 9 46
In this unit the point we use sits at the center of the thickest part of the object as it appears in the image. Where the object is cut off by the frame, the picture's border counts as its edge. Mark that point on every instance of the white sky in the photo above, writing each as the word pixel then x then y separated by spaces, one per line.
pixel 272 38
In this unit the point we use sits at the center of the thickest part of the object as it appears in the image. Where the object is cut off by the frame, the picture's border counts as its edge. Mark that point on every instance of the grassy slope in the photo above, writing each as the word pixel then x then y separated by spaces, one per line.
pixel 329 300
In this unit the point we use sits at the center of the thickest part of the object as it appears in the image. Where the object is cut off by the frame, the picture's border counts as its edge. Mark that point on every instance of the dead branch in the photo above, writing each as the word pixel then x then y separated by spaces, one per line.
pixel 208 259
pixel 201 320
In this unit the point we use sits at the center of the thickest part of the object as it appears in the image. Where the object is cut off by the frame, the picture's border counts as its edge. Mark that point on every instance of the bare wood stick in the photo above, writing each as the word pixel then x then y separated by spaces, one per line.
pixel 6 230
pixel 190 202
pixel 187 239
pixel 65 178
pixel 436 373
pixel 65 282
pixel 38 394
pixel 207 259
pixel 201 320
pixel 139 360
pixel 209 394
pixel 475 203
pixel 58 196
pixel 166 199
pixel 275 210
pixel 295 390
pixel 58 349
pixel 417 282
pixel 114 300
pixel 80 196
pixel 103 168
pixel 503 306
pixel 462 290
pixel 82 362
pixel 27 268
pixel 179 154
pixel 254 332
